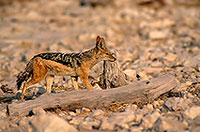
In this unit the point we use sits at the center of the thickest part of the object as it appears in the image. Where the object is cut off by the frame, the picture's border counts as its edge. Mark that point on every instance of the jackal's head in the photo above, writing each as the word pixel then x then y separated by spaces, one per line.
pixel 102 52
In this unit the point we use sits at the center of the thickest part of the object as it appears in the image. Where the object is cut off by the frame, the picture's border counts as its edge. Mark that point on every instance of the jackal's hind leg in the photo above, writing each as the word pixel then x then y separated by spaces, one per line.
pixel 29 83
pixel 49 82
pixel 39 73
pixel 75 82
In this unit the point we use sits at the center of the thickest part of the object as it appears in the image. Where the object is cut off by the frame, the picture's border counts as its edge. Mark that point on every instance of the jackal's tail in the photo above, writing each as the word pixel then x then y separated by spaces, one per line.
pixel 25 74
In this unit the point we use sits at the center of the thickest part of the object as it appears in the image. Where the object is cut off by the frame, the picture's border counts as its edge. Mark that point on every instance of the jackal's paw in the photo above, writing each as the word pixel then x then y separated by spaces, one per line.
pixel 97 87
pixel 53 91
pixel 19 96
pixel 21 99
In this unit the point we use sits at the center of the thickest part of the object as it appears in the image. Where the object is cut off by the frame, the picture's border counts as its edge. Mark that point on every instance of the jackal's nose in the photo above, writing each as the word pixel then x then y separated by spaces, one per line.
pixel 114 59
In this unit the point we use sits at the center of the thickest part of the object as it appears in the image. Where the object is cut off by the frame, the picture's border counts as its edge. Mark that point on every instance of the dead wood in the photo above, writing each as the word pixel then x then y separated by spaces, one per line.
pixel 112 76
pixel 143 91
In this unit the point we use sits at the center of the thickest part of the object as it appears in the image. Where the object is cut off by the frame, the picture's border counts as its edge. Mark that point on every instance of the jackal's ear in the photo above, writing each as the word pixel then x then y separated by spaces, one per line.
pixel 98 39
pixel 100 43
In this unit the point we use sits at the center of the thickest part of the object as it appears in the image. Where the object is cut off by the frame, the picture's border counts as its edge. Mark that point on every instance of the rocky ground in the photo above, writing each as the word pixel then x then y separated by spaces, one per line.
pixel 152 37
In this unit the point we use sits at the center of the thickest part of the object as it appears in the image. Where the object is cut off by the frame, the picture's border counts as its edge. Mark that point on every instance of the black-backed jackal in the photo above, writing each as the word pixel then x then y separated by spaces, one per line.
pixel 46 65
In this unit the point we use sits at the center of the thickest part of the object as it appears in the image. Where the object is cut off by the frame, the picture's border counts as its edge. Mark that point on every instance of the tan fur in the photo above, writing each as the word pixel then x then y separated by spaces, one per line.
pixel 41 68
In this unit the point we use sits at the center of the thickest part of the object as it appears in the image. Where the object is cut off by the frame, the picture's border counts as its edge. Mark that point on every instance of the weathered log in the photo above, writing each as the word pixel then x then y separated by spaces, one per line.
pixel 143 91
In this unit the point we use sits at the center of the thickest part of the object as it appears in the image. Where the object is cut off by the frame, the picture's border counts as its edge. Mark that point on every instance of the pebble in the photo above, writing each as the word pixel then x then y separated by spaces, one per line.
pixel 3 114
pixel 130 72
pixel 89 124
pixel 96 114
pixel 33 16
pixel 170 57
pixel 158 34
pixel 76 120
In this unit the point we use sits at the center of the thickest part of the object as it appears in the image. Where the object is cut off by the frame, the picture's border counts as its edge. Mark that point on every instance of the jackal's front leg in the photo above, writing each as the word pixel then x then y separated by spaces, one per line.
pixel 49 82
pixel 75 82
pixel 84 79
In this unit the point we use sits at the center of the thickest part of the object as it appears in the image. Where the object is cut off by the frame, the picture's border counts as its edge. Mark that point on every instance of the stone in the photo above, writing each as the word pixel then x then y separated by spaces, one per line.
pixel 86 110
pixel 177 104
pixel 192 112
pixel 149 119
pixel 34 16
pixel 12 85
pixel 76 120
pixel 154 55
pixel 50 123
pixel 24 122
pixel 153 70
pixel 165 124
pixel 54 47
pixel 149 106
pixel 4 123
pixel 96 114
pixel 181 87
pixel 157 23
pixel 195 129
pixel 171 57
pixel 156 64
pixel 156 34
pixel 192 62
pixel 143 75
pixel 40 90
pixel 136 129
pixel 106 124
pixel 78 111
pixel 188 83
pixel 131 108
pixel 195 124
pixel 72 113
pixel 3 113
pixel 89 124
pixel 67 117
pixel 130 73
pixel 38 110
pixel 117 119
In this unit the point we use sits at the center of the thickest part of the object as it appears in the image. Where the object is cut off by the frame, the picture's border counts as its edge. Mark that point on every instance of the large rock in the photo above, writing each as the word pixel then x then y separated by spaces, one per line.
pixel 195 125
pixel 48 122
pixel 4 123
pixel 176 104
pixel 118 119
pixel 192 112
pixel 165 124
pixel 149 119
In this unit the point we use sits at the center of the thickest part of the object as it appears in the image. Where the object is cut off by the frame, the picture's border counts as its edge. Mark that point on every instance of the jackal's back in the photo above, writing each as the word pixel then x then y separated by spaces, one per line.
pixel 70 59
